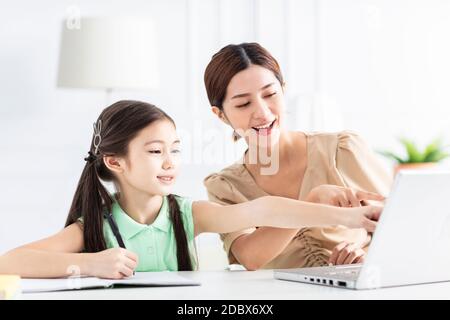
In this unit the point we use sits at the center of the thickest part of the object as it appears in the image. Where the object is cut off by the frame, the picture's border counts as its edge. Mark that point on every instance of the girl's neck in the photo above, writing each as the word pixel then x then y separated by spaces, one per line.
pixel 141 207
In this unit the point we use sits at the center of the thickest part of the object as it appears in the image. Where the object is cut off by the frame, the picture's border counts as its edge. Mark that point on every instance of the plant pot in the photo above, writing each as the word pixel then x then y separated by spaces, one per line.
pixel 414 166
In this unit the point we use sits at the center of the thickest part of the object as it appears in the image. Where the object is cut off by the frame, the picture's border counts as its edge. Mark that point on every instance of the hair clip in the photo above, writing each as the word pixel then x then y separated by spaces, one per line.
pixel 97 137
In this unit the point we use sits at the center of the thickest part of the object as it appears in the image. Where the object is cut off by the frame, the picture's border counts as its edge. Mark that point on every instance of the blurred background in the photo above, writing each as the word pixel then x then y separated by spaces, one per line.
pixel 380 68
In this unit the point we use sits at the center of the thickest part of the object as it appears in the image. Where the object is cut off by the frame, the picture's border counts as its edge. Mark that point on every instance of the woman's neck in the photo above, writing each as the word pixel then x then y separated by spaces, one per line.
pixel 283 151
pixel 141 207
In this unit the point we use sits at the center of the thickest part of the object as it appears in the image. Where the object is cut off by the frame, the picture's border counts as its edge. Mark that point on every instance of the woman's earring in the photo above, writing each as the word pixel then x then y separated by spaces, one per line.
pixel 235 136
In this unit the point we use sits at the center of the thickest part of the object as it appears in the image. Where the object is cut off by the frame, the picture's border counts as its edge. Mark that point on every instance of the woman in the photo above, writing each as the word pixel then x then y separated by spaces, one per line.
pixel 245 88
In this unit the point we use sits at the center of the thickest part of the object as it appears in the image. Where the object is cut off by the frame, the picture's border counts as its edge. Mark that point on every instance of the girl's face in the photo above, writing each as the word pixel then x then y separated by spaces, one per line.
pixel 151 165
pixel 254 105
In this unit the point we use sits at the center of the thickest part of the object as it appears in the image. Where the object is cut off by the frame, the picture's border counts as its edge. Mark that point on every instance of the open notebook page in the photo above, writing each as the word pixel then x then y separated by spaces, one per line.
pixel 157 279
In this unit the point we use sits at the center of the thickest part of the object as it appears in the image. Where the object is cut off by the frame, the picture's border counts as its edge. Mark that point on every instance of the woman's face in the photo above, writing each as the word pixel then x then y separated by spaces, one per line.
pixel 254 106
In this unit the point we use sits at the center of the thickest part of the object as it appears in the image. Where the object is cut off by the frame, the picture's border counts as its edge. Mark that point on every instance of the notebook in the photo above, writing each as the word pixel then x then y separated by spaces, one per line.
pixel 140 279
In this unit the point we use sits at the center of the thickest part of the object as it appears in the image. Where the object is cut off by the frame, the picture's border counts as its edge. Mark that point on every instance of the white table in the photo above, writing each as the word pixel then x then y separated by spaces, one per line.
pixel 257 285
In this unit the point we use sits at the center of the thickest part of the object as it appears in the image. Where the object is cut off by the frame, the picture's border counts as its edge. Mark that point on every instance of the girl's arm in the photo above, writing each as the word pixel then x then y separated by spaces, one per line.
pixel 59 256
pixel 278 212
pixel 49 257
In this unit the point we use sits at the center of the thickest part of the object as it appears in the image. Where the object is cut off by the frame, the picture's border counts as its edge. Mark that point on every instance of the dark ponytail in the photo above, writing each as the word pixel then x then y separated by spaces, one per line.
pixel 91 198
pixel 183 256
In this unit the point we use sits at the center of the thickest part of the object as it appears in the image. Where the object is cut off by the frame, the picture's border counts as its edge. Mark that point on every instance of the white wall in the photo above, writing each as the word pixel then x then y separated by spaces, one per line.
pixel 378 67
pixel 385 63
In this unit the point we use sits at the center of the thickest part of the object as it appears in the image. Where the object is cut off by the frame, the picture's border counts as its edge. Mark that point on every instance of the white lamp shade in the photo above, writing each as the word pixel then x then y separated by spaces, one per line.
pixel 109 53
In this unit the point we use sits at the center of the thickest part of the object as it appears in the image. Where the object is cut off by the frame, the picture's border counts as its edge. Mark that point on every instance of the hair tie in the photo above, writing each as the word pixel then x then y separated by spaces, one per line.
pixel 91 157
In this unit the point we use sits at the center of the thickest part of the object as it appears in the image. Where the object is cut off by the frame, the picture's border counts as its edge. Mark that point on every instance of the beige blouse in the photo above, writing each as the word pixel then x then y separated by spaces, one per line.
pixel 341 159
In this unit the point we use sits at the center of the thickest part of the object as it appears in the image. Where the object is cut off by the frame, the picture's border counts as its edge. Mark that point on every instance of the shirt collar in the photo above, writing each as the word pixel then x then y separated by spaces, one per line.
pixel 129 228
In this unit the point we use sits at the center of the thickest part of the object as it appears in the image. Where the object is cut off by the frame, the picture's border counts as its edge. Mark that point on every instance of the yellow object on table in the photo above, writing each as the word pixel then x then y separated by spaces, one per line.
pixel 9 286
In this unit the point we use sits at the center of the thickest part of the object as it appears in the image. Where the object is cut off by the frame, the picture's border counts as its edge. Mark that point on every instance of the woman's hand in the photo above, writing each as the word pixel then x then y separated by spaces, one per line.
pixel 347 253
pixel 115 263
pixel 340 196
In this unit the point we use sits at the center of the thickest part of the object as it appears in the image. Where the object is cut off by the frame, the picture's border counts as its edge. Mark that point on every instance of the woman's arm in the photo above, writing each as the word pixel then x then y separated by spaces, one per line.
pixel 262 245
pixel 265 243
pixel 59 256
pixel 212 217
pixel 256 249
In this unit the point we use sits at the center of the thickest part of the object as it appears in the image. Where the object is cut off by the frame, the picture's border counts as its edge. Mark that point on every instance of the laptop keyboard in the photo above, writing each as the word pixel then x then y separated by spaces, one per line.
pixel 337 272
pixel 345 273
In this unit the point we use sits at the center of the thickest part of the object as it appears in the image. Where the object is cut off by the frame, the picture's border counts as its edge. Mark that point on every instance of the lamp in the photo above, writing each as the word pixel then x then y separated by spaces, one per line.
pixel 109 53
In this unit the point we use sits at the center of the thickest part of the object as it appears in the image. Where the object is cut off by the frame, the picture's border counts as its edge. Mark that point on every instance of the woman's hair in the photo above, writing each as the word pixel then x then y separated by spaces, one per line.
pixel 116 126
pixel 230 60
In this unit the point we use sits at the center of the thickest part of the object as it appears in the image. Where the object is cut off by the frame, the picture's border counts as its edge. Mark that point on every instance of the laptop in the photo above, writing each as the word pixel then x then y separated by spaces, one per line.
pixel 411 244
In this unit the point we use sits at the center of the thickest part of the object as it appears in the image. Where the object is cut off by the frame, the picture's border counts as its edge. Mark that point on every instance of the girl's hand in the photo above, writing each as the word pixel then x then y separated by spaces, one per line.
pixel 362 217
pixel 347 253
pixel 340 196
pixel 115 263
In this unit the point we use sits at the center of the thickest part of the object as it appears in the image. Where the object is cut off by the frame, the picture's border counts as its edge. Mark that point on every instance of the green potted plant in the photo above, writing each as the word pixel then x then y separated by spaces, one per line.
pixel 417 159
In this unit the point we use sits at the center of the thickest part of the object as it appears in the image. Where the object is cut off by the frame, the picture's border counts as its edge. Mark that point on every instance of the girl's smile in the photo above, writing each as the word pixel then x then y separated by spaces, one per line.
pixel 167 180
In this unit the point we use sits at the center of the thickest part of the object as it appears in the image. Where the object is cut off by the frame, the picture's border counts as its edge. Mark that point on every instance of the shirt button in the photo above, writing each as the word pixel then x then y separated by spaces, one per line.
pixel 150 250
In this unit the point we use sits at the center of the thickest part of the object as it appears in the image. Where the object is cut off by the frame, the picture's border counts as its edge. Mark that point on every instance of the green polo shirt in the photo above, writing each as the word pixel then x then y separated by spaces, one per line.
pixel 155 243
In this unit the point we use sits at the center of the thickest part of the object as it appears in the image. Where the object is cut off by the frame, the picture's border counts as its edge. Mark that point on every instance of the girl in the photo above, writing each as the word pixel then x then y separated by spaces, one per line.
pixel 245 88
pixel 144 227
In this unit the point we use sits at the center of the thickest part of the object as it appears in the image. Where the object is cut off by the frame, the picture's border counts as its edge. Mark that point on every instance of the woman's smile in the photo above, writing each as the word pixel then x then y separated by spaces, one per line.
pixel 265 129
